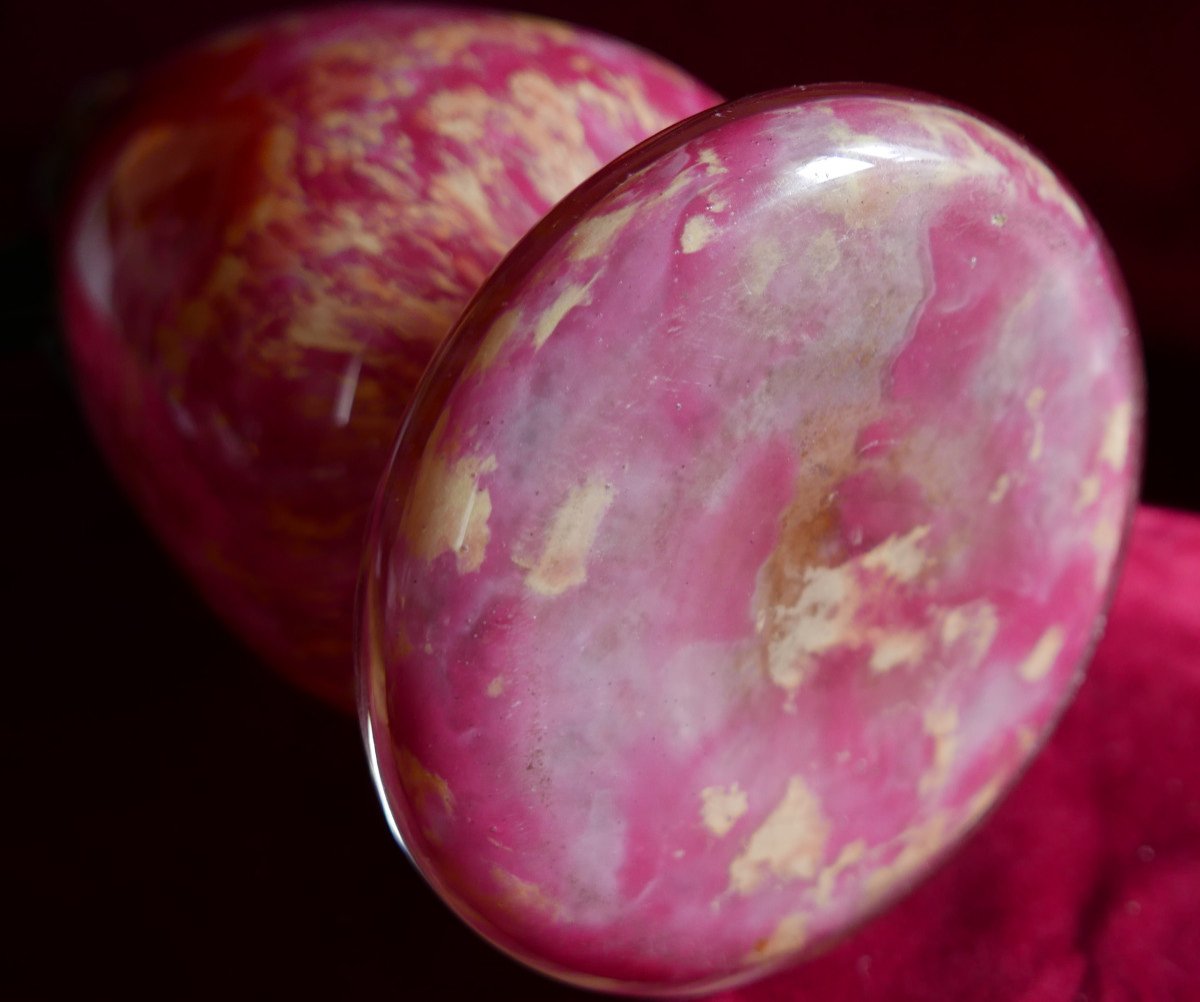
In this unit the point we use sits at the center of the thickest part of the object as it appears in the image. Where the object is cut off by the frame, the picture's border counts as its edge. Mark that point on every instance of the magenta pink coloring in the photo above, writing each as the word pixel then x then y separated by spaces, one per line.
pixel 268 247
pixel 748 536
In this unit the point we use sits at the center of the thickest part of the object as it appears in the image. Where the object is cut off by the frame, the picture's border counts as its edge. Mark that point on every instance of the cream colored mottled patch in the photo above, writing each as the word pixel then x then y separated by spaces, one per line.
pixel 460 204
pixel 999 219
pixel 999 489
pixel 712 162
pixel 448 511
pixel 1033 404
pixel 459 114
pixel 523 895
pixel 1089 493
pixel 789 845
pixel 823 254
pixel 697 232
pixel 760 265
pixel 975 622
pixel 496 687
pixel 890 650
pixel 319 325
pixel 819 619
pixel 420 784
pixel 1045 652
pixel 852 854
pixel 1114 450
pixel 552 316
pixel 592 237
pixel 350 232
pixel 900 557
pixel 941 725
pixel 573 528
pixel 789 936
pixel 1106 535
pixel 919 844
pixel 503 328
pixel 982 802
pixel 721 808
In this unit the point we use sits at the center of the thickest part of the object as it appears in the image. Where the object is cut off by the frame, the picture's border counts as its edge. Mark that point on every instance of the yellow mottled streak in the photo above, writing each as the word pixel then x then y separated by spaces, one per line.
pixel 976 623
pixel 999 489
pixel 421 784
pixel 1089 493
pixel 893 649
pixel 568 299
pixel 919 844
pixel 1115 447
pixel 720 808
pixel 788 936
pixel 1045 652
pixel 788 845
pixel 448 511
pixel 941 725
pixel 852 854
pixel 697 232
pixel 591 237
pixel 1033 404
pixel 518 895
pixel 503 328
pixel 562 564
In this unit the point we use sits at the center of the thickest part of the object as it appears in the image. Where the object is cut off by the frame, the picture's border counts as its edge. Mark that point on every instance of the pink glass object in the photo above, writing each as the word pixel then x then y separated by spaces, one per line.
pixel 268 247
pixel 747 536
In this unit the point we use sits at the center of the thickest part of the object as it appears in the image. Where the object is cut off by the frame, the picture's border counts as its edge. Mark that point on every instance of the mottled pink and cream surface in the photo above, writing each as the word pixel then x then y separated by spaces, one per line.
pixel 748 535
pixel 268 247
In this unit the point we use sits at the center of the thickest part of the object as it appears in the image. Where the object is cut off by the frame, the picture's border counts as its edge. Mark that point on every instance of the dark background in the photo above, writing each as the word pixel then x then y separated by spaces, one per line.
pixel 179 822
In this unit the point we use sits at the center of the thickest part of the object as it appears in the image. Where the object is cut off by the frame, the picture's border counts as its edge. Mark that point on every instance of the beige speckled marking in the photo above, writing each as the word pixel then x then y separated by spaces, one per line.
pixel 458 114
pixel 1115 448
pixel 421 784
pixel 789 845
pixel 918 844
pixel 976 623
pixel 759 266
pixel 1045 652
pixel 448 511
pixel 496 687
pixel 712 162
pixel 823 254
pixel 524 896
pixel 697 232
pixel 349 232
pixel 941 725
pixel 592 237
pixel 569 298
pixel 1089 493
pixel 1106 535
pixel 573 527
pixel 721 808
pixel 851 855
pixel 1033 404
pixel 900 557
pixel 999 489
pixel 893 649
pixel 789 935
pixel 818 620
pixel 503 328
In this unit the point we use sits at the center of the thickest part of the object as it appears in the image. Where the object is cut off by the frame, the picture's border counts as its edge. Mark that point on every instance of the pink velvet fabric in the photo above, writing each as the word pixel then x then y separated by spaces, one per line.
pixel 1085 882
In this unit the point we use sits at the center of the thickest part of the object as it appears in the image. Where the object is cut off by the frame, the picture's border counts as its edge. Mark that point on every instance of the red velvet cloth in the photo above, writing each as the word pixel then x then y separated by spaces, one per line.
pixel 1085 882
